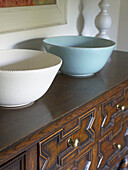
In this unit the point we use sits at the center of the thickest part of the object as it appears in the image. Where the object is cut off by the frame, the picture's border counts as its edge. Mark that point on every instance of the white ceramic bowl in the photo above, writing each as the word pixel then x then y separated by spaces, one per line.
pixel 25 75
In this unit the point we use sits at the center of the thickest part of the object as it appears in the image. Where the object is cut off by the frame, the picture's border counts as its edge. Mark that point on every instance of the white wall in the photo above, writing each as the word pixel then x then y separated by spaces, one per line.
pixel 114 13
pixel 123 27
pixel 80 20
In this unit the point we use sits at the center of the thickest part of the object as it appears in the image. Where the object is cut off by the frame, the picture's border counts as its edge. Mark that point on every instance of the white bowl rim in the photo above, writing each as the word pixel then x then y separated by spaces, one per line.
pixel 29 70
pixel 84 48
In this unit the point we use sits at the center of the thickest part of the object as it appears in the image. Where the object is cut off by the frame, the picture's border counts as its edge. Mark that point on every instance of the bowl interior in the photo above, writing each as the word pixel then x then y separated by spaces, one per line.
pixel 79 42
pixel 15 60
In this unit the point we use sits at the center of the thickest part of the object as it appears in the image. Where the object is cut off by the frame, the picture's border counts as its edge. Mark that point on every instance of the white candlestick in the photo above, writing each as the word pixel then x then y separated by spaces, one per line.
pixel 103 20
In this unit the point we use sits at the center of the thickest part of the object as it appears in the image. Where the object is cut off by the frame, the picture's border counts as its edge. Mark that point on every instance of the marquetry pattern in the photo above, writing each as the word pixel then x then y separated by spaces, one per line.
pixel 107 154
pixel 55 148
pixel 110 113
pixel 84 161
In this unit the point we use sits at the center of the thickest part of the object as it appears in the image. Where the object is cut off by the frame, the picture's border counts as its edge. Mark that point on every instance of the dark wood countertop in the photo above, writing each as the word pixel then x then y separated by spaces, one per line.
pixel 66 94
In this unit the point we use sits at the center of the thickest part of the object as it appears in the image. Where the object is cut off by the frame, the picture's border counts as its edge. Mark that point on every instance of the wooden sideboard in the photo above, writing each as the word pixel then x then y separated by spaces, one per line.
pixel 79 124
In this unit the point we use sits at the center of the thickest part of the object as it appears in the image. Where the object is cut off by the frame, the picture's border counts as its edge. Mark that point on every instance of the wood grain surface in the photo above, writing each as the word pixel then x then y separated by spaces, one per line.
pixel 67 98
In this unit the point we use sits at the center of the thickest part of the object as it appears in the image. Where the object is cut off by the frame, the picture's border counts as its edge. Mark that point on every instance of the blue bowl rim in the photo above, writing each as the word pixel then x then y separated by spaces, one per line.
pixel 113 43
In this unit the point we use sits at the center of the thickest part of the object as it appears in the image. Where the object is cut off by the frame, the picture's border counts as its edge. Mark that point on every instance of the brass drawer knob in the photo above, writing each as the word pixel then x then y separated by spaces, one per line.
pixel 74 143
pixel 117 146
pixel 122 108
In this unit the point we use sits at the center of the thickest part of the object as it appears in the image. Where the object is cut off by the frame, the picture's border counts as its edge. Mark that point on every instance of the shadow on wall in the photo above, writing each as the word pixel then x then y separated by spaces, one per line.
pixel 33 44
pixel 80 19
pixel 37 44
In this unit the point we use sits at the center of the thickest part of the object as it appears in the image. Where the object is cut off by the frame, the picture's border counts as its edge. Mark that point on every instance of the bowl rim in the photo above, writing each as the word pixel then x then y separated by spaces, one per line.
pixel 29 70
pixel 94 48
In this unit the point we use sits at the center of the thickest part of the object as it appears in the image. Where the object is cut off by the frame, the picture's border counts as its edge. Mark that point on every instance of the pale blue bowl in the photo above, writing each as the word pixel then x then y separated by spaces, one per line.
pixel 82 56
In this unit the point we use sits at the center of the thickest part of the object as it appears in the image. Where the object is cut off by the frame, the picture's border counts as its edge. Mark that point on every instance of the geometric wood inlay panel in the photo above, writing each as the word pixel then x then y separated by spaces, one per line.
pixel 108 156
pixel 84 161
pixel 54 153
pixel 109 112
pixel 108 115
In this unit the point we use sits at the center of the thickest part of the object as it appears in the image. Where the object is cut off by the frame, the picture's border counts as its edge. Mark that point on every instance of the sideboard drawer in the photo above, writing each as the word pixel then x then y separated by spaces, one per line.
pixel 112 109
pixel 104 123
pixel 112 148
pixel 66 144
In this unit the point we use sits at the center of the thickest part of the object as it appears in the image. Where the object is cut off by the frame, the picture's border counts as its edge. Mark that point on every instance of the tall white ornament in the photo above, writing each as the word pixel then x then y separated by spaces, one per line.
pixel 103 20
